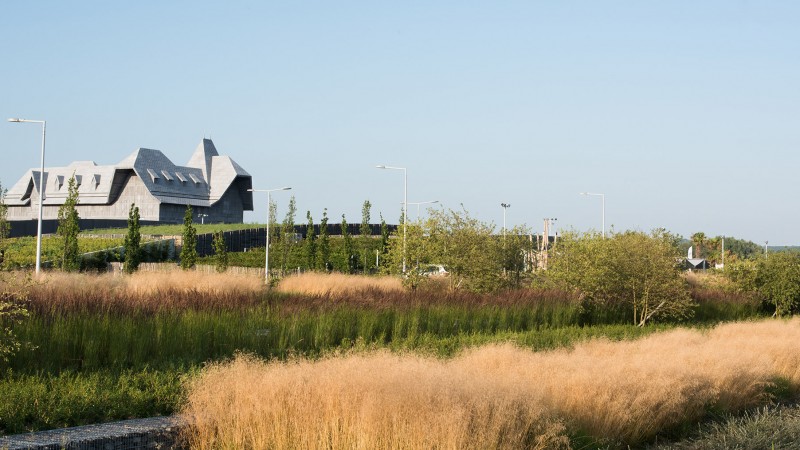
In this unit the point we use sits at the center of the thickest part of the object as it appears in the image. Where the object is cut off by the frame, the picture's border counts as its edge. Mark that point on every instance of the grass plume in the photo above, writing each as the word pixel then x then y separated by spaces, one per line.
pixel 496 396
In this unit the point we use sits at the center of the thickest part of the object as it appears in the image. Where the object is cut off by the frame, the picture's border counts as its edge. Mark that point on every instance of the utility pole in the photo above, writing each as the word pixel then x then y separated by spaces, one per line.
pixel 505 207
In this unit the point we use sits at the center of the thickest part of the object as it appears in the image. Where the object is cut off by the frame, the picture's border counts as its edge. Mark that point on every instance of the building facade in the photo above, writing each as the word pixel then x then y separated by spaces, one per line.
pixel 215 186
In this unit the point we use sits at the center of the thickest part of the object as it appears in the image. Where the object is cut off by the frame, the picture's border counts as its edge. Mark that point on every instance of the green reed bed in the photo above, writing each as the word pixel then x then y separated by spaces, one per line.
pixel 89 340
pixel 30 402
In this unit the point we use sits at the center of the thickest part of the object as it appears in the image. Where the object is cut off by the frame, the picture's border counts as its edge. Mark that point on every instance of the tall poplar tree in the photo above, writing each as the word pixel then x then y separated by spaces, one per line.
pixel 365 232
pixel 324 258
pixel 288 236
pixel 188 241
pixel 69 227
pixel 310 243
pixel 220 252
pixel 348 258
pixel 133 250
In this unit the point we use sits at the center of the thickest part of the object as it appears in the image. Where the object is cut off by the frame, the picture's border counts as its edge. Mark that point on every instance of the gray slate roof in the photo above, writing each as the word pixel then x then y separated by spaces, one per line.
pixel 201 182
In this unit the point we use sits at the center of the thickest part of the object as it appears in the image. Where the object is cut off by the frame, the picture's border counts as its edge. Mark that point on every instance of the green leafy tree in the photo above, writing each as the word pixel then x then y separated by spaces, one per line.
pixel 384 236
pixel 348 258
pixel 631 270
pixel 310 243
pixel 365 232
pixel 273 221
pixel 133 239
pixel 777 280
pixel 13 310
pixel 188 241
pixel 220 252
pixel 69 227
pixel 467 248
pixel 699 241
pixel 324 259
pixel 288 234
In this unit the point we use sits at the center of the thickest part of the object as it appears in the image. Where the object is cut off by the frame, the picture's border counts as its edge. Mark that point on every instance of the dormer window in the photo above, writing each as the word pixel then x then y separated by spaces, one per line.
pixel 195 179
pixel 153 175
pixel 180 177
pixel 58 181
pixel 166 174
pixel 95 181
pixel 78 180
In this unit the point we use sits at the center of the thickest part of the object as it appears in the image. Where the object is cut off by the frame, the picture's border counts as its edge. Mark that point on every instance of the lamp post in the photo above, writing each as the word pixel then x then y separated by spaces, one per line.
pixel 266 250
pixel 422 203
pixel 505 207
pixel 405 206
pixel 202 218
pixel 603 197
pixel 41 193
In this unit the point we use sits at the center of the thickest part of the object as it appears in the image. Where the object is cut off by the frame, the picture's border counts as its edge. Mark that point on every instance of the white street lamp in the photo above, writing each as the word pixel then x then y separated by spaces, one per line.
pixel 202 218
pixel 505 207
pixel 41 193
pixel 405 206
pixel 603 197
pixel 266 251
pixel 422 203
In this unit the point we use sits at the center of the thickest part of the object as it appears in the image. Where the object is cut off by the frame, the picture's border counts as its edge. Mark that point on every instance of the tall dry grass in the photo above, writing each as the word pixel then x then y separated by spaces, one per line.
pixel 315 283
pixel 58 292
pixel 498 396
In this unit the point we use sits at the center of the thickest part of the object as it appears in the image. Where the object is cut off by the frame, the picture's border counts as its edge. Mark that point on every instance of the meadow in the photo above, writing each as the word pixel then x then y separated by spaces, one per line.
pixel 109 347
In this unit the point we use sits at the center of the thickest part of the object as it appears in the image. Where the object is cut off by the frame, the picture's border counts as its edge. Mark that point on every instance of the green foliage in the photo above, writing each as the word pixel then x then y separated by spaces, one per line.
pixel 743 274
pixel 175 230
pixel 13 310
pixel 310 243
pixel 348 260
pixel 324 258
pixel 220 252
pixel 288 237
pixel 468 248
pixel 365 232
pixel 699 241
pixel 778 281
pixel 72 398
pixel 384 237
pixel 69 227
pixel 133 251
pixel 188 241
pixel 634 270
pixel 272 220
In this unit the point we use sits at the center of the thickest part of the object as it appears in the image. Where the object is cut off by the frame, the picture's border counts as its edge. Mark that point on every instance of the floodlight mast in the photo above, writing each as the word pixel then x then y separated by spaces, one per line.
pixel 41 191
pixel 603 197
pixel 266 250
pixel 405 205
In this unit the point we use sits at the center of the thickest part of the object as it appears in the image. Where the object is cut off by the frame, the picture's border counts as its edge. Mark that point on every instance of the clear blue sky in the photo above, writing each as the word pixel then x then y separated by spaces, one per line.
pixel 684 113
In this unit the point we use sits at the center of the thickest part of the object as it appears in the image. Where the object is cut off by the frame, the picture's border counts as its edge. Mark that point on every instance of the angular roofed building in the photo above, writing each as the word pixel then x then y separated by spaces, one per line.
pixel 213 185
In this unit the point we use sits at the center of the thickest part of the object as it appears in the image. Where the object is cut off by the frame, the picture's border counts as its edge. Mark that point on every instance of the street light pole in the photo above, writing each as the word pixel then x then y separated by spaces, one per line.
pixel 603 197
pixel 41 192
pixel 202 218
pixel 405 206
pixel 505 207
pixel 266 250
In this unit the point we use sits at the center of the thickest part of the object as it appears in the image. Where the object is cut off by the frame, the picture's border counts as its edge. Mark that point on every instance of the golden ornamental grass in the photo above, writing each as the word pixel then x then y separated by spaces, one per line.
pixel 497 396
pixel 58 292
pixel 333 284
